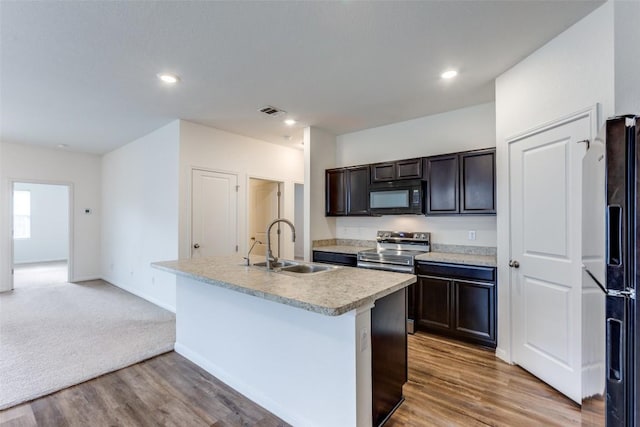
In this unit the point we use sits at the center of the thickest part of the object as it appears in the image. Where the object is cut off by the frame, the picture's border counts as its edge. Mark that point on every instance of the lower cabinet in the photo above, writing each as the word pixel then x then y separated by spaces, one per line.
pixel 335 258
pixel 388 354
pixel 458 301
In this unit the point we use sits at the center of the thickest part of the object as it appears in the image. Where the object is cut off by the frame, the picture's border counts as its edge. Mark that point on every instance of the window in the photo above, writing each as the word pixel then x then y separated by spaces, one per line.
pixel 21 214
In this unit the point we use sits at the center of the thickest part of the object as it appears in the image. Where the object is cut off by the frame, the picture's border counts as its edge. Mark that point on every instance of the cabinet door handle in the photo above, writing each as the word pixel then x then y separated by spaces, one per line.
pixel 514 264
pixel 196 246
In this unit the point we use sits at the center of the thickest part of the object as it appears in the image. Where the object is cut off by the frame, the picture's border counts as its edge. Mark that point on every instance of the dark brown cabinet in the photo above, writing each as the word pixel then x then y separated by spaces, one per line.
pixel 393 171
pixel 388 354
pixel 335 258
pixel 461 183
pixel 478 182
pixel 457 301
pixel 336 192
pixel 358 190
pixel 347 191
pixel 442 185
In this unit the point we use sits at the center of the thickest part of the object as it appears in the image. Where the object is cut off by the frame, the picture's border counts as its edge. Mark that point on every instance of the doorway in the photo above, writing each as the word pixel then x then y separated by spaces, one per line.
pixel 265 204
pixel 41 234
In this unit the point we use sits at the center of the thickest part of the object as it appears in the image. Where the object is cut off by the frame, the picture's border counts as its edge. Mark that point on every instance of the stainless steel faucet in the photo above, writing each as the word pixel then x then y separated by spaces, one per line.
pixel 255 242
pixel 270 256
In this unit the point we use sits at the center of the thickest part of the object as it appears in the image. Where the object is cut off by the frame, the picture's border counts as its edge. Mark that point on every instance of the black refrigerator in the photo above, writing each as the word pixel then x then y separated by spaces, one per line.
pixel 622 270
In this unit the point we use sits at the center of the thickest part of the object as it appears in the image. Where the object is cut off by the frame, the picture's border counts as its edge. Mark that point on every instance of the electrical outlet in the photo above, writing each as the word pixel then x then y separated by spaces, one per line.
pixel 472 235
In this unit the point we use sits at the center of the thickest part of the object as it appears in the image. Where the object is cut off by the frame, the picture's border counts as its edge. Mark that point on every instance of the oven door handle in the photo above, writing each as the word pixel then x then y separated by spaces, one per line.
pixel 376 260
pixel 386 267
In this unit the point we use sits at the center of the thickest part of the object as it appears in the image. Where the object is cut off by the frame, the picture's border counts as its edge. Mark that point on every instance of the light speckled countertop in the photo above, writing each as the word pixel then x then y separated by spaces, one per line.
pixel 331 292
pixel 456 258
pixel 450 257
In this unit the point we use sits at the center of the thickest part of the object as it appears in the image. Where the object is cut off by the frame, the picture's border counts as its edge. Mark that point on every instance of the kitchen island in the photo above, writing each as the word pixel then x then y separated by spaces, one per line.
pixel 308 347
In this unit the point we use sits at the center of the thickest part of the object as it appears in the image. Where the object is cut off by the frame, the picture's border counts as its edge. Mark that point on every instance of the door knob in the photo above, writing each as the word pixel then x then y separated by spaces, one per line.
pixel 196 246
pixel 514 264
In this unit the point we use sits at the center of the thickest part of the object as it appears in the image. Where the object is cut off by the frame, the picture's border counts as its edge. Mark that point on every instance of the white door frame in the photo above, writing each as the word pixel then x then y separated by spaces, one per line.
pixel 282 200
pixel 71 252
pixel 505 316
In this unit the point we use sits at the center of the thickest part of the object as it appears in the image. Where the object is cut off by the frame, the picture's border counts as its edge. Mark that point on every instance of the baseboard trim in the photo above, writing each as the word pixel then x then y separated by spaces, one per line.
pixel 40 261
pixel 141 295
pixel 85 279
pixel 241 387
pixel 502 355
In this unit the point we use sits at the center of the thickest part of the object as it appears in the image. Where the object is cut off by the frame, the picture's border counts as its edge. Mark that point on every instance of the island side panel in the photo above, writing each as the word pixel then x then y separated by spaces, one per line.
pixel 307 368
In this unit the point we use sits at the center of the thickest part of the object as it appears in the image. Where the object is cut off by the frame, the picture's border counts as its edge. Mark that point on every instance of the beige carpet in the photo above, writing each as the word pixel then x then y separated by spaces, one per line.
pixel 37 275
pixel 54 337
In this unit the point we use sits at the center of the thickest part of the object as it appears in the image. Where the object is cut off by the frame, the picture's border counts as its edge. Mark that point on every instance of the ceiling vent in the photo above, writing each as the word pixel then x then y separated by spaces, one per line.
pixel 272 111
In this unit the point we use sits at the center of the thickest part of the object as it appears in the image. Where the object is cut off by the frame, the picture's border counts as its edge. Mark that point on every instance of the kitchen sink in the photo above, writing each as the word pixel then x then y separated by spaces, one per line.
pixel 307 268
pixel 286 266
pixel 279 264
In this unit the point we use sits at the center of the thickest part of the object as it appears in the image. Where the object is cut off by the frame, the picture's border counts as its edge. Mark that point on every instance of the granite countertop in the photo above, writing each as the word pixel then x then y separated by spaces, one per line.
pixel 482 257
pixel 459 258
pixel 331 293
pixel 342 249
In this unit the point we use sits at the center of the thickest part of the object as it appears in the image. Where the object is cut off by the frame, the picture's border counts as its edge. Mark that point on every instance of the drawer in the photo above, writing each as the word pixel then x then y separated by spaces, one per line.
pixel 458 271
pixel 350 260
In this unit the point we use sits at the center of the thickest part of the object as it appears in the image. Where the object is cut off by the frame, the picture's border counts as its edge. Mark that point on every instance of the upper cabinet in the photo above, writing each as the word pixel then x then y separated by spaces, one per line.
pixel 336 192
pixel 456 184
pixel 347 191
pixel 442 185
pixel 478 182
pixel 392 171
pixel 358 190
pixel 461 183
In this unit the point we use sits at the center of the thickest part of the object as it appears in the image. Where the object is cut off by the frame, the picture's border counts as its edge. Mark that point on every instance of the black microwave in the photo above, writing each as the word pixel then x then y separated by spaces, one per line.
pixel 396 197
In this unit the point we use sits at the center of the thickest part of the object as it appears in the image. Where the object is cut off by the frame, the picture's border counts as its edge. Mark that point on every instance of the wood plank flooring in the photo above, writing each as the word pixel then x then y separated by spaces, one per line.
pixel 457 384
pixel 450 384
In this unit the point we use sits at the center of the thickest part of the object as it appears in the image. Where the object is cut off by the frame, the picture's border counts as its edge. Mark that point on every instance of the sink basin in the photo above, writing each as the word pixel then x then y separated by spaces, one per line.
pixel 306 268
pixel 286 266
pixel 279 264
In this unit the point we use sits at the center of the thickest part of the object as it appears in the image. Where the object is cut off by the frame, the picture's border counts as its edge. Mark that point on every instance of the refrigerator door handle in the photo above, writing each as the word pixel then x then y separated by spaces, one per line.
pixel 614 235
pixel 615 348
pixel 600 285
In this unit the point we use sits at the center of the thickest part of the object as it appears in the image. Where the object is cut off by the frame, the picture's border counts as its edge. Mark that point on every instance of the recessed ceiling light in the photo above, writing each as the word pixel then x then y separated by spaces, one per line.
pixel 289 122
pixel 63 146
pixel 168 78
pixel 449 74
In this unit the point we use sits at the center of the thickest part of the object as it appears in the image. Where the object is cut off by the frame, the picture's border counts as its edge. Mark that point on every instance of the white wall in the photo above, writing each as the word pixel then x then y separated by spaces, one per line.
pixel 213 149
pixel 460 130
pixel 319 155
pixel 82 171
pixel 140 200
pixel 627 59
pixel 572 72
pixel 49 239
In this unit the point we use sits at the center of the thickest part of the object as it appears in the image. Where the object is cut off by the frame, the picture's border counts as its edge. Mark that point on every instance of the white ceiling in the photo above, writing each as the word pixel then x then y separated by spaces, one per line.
pixel 84 73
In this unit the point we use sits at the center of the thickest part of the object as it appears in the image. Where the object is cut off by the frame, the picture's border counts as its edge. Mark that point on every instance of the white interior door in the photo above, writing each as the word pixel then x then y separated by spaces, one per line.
pixel 546 202
pixel 214 223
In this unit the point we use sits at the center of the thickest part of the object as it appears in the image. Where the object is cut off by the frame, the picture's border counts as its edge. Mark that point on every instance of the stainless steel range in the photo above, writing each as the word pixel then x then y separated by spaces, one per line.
pixel 395 251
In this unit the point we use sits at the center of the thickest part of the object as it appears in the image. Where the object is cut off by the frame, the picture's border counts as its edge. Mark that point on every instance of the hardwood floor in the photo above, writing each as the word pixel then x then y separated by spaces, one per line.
pixel 450 384
pixel 457 384
pixel 167 390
